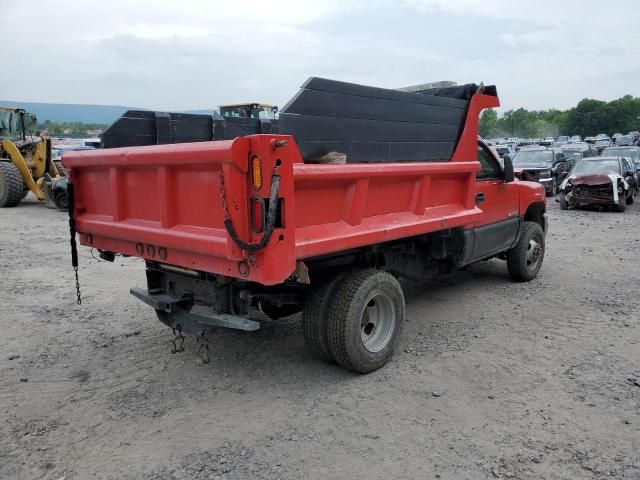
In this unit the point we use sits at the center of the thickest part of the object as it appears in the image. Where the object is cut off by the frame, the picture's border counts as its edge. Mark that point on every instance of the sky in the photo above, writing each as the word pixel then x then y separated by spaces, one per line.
pixel 198 54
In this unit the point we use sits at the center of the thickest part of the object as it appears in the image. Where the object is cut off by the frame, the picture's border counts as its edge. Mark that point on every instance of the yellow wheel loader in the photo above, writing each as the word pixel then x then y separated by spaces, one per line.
pixel 25 162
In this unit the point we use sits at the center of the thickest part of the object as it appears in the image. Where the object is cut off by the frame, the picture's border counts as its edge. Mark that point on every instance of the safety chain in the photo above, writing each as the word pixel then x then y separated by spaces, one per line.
pixel 178 340
pixel 72 240
pixel 79 297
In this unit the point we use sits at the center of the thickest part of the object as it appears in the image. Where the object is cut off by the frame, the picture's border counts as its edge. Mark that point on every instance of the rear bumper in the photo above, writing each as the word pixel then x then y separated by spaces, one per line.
pixel 192 319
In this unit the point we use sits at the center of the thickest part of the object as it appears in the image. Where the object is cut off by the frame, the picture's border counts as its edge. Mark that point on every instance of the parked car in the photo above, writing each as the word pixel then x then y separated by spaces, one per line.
pixel 632 155
pixel 537 165
pixel 505 149
pixel 602 181
pixel 587 149
pixel 562 139
pixel 602 143
pixel 632 152
pixel 635 166
pixel 624 141
pixel 575 138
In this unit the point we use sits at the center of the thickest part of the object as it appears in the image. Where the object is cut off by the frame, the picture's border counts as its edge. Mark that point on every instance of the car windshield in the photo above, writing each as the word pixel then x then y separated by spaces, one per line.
pixel 602 141
pixel 597 166
pixel 623 152
pixel 624 140
pixel 530 158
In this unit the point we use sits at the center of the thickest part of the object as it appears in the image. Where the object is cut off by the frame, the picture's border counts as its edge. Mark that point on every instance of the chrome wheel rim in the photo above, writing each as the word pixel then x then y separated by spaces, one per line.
pixel 378 322
pixel 534 253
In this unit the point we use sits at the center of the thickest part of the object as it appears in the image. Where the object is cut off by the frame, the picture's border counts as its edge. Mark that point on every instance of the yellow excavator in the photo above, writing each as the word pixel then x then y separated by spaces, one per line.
pixel 25 162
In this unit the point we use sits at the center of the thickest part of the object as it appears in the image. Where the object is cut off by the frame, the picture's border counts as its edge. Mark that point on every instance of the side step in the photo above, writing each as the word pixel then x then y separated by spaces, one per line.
pixel 198 313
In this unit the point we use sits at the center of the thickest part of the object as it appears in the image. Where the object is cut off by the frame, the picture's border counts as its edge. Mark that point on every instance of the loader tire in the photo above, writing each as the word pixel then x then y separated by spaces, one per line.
pixel 365 322
pixel 314 319
pixel 525 259
pixel 11 185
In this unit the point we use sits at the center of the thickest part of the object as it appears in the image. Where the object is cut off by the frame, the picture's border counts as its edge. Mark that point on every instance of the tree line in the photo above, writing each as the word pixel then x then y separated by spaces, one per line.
pixel 69 128
pixel 589 117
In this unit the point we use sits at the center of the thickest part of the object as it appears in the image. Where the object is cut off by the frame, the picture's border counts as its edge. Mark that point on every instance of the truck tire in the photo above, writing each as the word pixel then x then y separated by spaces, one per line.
pixel 564 205
pixel 525 259
pixel 621 206
pixel 11 185
pixel 314 319
pixel 365 321
pixel 62 201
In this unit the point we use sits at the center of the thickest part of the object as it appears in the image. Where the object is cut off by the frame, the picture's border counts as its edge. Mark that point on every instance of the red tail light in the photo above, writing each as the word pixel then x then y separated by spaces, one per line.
pixel 257 214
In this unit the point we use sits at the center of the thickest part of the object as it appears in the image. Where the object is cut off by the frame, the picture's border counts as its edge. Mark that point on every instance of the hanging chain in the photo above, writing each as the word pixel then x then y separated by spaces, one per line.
pixel 75 269
pixel 72 239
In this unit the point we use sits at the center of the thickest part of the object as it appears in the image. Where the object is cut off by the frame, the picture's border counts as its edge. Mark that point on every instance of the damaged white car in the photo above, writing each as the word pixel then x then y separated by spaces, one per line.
pixel 604 182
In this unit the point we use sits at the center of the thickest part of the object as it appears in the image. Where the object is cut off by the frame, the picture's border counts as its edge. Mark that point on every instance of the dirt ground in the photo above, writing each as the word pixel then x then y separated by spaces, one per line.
pixel 494 379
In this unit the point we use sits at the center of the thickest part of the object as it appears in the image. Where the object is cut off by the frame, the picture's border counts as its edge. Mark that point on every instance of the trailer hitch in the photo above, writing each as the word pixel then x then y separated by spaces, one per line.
pixel 271 216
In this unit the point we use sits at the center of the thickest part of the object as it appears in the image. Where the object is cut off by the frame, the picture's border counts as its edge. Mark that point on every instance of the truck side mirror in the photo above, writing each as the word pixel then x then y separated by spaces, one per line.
pixel 508 169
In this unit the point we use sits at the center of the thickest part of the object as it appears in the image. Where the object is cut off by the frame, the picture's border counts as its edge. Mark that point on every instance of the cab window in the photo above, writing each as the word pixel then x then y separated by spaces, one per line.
pixel 490 167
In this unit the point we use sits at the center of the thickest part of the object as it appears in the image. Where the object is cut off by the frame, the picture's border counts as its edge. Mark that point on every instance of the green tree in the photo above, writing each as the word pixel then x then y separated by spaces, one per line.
pixel 488 126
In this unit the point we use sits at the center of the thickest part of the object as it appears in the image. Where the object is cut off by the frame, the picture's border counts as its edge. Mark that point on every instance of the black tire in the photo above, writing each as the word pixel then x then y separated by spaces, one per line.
pixel 315 316
pixel 62 201
pixel 356 340
pixel 554 190
pixel 525 259
pixel 631 198
pixel 621 206
pixel 564 205
pixel 11 185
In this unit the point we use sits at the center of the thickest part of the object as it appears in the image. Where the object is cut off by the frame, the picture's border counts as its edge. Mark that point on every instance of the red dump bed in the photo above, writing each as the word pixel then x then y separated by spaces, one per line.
pixel 165 202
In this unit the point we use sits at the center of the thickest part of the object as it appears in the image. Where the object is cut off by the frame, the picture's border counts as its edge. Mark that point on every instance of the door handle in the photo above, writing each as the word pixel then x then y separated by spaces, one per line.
pixel 480 197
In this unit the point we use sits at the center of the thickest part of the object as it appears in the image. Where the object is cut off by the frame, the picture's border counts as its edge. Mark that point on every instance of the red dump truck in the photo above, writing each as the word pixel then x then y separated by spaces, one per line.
pixel 231 230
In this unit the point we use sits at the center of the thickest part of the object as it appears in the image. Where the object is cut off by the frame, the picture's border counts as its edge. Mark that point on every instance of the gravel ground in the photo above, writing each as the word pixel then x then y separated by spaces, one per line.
pixel 494 379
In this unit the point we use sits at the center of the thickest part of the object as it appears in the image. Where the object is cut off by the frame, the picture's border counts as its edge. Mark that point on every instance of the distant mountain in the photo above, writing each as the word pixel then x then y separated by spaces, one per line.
pixel 63 112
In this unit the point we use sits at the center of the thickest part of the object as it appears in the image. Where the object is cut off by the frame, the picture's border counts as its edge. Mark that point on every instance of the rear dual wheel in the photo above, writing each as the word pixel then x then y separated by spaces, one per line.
pixel 356 319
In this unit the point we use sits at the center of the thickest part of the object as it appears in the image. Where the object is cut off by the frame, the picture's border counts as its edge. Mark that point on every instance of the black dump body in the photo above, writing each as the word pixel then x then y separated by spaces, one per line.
pixel 140 127
pixel 368 124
